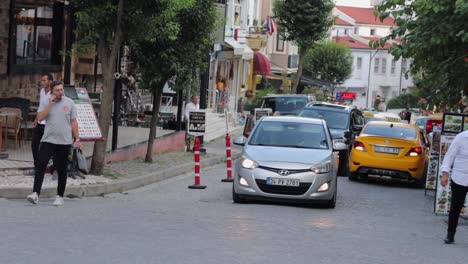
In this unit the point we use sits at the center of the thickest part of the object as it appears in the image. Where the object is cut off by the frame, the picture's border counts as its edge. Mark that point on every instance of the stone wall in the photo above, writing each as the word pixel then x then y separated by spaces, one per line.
pixel 14 85
pixel 4 31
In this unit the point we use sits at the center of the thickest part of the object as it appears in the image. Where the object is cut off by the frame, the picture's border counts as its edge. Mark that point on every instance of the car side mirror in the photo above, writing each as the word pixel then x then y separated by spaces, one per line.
pixel 347 134
pixel 339 146
pixel 358 127
pixel 240 141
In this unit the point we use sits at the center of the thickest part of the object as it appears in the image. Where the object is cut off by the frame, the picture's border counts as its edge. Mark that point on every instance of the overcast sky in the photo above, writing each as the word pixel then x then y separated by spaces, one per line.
pixel 356 3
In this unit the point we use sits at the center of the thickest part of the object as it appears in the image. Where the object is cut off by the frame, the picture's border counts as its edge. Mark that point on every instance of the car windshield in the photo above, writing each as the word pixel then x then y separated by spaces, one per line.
pixel 334 119
pixel 390 131
pixel 421 121
pixel 285 104
pixel 289 134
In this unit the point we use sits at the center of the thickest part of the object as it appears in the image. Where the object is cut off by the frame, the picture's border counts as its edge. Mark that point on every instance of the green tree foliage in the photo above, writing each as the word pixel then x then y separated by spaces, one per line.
pixel 304 22
pixel 329 62
pixel 435 34
pixel 404 101
pixel 103 22
pixel 177 45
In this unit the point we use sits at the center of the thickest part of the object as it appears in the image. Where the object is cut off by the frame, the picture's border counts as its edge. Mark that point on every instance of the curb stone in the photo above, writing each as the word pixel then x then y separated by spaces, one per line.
pixel 117 186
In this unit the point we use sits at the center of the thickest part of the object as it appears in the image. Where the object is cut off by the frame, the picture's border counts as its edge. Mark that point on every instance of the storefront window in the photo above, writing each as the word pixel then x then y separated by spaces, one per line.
pixel 37 34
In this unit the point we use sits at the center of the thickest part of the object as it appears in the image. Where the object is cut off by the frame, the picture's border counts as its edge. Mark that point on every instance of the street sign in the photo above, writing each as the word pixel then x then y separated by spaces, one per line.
pixel 261 112
pixel 197 120
pixel 345 96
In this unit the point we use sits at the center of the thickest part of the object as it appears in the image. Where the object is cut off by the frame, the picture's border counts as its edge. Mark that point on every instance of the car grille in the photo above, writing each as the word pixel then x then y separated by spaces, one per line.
pixel 287 190
pixel 290 171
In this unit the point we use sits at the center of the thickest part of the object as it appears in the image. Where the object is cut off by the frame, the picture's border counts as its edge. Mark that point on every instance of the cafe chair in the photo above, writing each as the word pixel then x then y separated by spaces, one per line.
pixel 11 121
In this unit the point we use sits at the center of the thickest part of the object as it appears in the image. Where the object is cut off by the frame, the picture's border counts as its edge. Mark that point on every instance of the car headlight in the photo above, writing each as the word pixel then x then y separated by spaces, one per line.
pixel 322 168
pixel 248 163
pixel 324 187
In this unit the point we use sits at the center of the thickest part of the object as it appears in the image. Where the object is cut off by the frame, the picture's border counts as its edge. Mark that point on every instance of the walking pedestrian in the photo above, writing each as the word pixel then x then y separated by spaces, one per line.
pixel 191 106
pixel 61 130
pixel 456 159
pixel 38 132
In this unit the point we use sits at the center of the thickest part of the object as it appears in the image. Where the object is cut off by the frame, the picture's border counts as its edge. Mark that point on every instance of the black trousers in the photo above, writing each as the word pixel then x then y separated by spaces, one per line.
pixel 458 200
pixel 60 154
pixel 38 132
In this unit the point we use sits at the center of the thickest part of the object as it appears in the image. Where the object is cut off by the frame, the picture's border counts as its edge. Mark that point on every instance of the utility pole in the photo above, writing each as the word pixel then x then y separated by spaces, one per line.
pixel 369 77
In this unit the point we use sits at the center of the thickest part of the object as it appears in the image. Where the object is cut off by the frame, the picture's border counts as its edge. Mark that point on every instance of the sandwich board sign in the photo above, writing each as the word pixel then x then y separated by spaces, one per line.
pixel 197 123
pixel 261 112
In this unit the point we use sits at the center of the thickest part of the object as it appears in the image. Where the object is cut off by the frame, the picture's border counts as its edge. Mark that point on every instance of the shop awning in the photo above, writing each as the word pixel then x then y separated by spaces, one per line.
pixel 240 49
pixel 261 64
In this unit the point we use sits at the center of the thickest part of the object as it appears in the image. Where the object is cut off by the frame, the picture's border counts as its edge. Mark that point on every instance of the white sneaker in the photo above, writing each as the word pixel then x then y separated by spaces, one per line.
pixel 58 201
pixel 33 198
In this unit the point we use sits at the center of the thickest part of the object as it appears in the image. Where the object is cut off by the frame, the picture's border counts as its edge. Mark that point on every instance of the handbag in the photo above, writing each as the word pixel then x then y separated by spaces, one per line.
pixel 81 159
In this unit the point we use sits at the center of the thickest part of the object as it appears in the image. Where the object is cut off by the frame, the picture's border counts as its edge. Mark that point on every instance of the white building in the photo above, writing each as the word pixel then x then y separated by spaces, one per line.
pixel 375 72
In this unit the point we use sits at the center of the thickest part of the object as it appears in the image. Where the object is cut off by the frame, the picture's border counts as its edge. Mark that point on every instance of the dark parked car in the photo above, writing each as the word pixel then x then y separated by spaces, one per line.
pixel 286 104
pixel 281 104
pixel 344 122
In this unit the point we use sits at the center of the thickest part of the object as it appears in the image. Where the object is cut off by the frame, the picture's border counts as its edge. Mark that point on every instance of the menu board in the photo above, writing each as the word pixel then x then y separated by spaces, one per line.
pixel 197 123
pixel 432 172
pixel 454 123
pixel 261 112
pixel 87 122
pixel 444 193
pixel 433 166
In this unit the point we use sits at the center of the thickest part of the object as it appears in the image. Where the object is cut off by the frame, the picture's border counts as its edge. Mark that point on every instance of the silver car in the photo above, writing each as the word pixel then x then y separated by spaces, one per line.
pixel 288 159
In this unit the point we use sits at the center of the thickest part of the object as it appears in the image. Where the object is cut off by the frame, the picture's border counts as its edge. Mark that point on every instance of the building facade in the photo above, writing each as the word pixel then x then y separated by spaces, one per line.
pixel 31 41
pixel 375 71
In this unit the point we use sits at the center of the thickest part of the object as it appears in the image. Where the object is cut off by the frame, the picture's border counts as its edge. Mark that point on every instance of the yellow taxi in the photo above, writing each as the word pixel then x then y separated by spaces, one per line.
pixel 390 149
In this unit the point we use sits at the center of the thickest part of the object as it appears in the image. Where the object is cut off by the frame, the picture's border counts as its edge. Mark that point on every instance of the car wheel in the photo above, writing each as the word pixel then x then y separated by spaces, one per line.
pixel 353 176
pixel 332 202
pixel 343 169
pixel 236 197
pixel 422 182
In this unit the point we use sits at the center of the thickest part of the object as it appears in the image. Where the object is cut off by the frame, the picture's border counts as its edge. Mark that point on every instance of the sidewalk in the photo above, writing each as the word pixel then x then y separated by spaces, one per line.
pixel 125 175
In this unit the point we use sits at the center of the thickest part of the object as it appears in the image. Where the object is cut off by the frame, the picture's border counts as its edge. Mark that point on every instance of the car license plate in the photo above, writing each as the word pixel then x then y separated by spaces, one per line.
pixel 389 150
pixel 283 182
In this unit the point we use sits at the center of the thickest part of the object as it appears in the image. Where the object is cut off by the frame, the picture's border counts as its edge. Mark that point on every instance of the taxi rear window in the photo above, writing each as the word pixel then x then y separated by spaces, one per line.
pixel 390 131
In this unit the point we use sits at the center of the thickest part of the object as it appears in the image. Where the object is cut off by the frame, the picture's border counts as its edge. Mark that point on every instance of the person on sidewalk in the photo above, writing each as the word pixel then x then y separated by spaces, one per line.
pixel 38 132
pixel 192 106
pixel 60 115
pixel 456 159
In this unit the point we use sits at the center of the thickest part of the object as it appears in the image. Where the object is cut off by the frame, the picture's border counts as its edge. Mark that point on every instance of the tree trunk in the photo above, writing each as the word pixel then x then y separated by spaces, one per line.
pixel 108 62
pixel 157 93
pixel 302 52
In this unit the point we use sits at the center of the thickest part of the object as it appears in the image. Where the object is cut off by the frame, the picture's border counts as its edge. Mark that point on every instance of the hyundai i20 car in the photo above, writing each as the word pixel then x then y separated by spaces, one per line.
pixel 290 159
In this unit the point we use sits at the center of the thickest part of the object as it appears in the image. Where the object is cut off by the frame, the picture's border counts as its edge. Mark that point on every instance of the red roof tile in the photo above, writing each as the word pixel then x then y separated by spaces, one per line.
pixel 351 43
pixel 341 22
pixel 365 15
pixel 387 45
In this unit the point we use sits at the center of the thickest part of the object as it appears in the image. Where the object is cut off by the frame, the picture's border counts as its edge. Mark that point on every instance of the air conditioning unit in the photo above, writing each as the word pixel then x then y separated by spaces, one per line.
pixel 293 61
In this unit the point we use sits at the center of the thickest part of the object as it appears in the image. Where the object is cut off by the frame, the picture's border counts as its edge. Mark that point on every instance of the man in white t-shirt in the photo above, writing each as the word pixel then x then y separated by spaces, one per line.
pixel 38 132
pixel 192 106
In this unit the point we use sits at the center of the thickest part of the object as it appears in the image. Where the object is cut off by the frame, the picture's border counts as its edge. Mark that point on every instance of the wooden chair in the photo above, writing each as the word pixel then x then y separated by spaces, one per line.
pixel 11 120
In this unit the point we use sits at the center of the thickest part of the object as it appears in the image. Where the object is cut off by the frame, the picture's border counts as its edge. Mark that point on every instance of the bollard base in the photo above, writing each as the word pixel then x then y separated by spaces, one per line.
pixel 197 187
pixel 227 180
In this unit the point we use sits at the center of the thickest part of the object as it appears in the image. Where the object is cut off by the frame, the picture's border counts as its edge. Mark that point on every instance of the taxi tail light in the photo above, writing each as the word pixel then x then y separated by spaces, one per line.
pixel 359 146
pixel 415 152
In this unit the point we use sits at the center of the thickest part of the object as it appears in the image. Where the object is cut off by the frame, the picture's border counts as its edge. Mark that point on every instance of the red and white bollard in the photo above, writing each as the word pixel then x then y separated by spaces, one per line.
pixel 228 159
pixel 196 152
